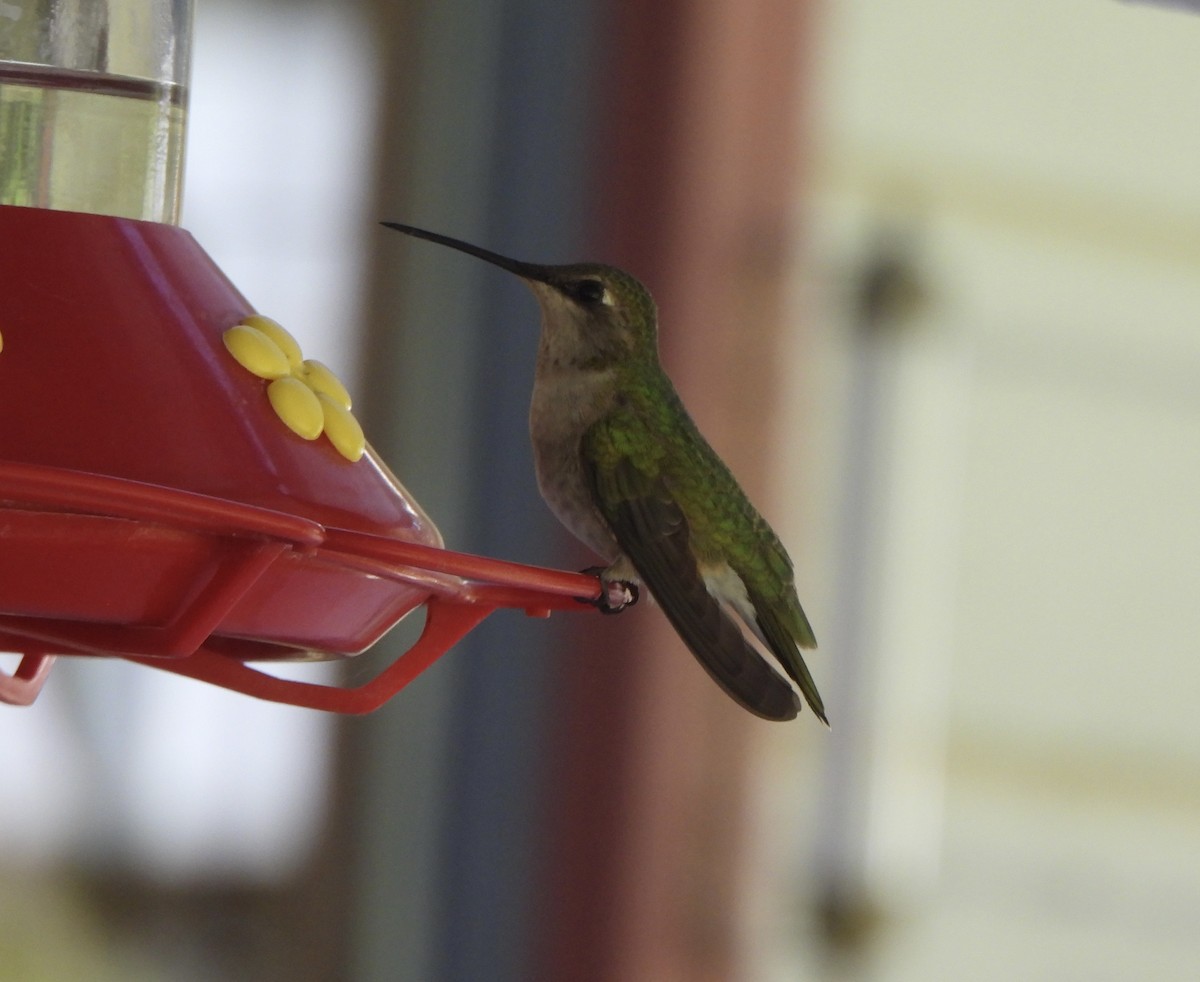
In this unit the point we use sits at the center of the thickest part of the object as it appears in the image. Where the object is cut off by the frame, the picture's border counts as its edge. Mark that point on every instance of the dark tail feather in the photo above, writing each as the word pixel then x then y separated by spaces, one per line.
pixel 783 645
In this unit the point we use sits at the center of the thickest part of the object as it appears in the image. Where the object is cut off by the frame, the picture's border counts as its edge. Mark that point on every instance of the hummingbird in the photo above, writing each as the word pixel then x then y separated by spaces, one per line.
pixel 621 464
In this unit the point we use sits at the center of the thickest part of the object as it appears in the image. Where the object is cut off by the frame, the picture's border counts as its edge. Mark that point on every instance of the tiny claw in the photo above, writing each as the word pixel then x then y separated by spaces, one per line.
pixel 615 595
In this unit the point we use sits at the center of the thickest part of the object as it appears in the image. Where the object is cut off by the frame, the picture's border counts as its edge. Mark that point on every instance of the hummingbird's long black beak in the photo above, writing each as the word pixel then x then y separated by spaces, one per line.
pixel 527 271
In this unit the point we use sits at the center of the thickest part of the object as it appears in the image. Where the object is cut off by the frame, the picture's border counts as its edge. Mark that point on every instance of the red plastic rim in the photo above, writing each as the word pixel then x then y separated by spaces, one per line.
pixel 229 581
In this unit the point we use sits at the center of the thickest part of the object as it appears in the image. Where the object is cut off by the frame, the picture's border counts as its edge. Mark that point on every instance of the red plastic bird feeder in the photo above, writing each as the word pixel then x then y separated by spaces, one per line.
pixel 178 486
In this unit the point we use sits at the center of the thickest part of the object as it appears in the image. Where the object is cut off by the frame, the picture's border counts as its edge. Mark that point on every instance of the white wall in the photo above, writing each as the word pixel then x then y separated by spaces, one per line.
pixel 1027 798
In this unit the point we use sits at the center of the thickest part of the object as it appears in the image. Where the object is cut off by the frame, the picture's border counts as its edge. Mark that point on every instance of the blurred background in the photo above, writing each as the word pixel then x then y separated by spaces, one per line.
pixel 927 274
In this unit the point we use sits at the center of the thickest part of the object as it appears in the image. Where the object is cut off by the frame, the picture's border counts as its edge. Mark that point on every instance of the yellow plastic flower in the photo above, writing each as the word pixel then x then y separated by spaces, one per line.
pixel 306 395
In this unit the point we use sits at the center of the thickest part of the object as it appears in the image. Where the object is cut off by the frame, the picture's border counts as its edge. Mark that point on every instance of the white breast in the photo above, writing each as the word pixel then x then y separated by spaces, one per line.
pixel 565 404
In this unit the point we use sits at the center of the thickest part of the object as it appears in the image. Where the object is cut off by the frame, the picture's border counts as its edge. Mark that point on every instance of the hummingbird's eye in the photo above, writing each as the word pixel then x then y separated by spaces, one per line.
pixel 588 291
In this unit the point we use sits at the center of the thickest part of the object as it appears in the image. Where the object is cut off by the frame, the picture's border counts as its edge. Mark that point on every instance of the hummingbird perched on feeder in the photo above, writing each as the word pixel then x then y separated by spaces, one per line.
pixel 623 467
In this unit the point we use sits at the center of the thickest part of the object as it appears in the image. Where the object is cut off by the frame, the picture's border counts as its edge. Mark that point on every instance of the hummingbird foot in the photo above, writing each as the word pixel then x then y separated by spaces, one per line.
pixel 615 595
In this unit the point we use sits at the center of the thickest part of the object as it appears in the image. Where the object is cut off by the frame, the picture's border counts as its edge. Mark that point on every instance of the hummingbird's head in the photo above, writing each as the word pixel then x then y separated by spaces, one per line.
pixel 592 315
